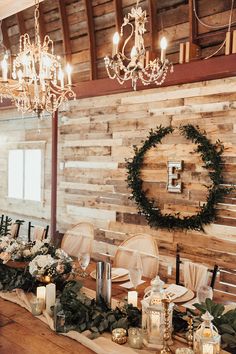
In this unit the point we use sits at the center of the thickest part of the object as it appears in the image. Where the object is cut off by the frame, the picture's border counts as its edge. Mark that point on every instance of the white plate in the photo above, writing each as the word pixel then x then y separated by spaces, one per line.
pixel 118 274
pixel 189 295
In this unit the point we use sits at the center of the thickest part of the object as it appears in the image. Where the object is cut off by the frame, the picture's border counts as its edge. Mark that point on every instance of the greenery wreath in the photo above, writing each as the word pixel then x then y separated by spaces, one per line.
pixel 211 155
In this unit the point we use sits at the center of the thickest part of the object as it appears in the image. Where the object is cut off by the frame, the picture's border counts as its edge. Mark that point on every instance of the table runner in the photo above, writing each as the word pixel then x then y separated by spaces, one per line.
pixel 100 345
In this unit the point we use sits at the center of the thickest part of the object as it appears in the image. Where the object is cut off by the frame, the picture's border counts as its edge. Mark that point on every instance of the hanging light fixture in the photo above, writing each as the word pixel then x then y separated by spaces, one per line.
pixel 137 65
pixel 39 82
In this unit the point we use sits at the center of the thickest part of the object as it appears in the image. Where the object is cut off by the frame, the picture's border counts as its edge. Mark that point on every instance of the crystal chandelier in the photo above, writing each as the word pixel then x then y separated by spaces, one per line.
pixel 38 83
pixel 137 65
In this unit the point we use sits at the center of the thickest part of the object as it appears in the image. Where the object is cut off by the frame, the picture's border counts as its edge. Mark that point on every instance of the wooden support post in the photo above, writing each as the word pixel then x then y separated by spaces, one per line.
pixel 6 40
pixel 53 224
pixel 65 30
pixel 193 47
pixel 118 14
pixel 20 23
pixel 152 9
pixel 91 34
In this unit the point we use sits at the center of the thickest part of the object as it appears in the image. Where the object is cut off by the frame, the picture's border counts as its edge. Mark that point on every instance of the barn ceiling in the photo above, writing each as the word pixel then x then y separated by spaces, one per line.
pixel 82 30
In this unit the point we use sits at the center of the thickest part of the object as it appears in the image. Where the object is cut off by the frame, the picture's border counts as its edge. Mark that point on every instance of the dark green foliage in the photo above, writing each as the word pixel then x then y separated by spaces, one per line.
pixel 211 156
pixel 224 322
pixel 5 227
pixel 12 278
pixel 83 313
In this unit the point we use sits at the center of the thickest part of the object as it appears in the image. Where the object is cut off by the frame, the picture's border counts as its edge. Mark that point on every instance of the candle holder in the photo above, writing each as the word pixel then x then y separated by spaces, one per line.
pixel 37 307
pixel 206 337
pixel 189 335
pixel 135 337
pixel 119 335
pixel 166 336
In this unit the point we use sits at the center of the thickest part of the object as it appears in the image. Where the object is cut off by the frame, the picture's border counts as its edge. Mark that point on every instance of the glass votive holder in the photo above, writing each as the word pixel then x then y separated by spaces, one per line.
pixel 184 350
pixel 60 322
pixel 119 335
pixel 135 337
pixel 37 306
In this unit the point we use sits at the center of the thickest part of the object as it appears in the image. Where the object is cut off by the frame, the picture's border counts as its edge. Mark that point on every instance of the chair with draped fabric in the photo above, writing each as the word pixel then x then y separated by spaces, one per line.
pixel 146 246
pixel 194 275
pixel 39 232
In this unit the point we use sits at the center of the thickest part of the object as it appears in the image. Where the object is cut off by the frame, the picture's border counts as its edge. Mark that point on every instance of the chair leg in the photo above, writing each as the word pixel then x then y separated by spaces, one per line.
pixel 29 231
pixel 46 232
pixel 178 261
pixel 214 274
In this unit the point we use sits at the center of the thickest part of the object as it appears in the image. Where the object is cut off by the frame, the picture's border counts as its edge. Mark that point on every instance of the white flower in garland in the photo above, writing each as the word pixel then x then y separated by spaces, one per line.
pixel 40 264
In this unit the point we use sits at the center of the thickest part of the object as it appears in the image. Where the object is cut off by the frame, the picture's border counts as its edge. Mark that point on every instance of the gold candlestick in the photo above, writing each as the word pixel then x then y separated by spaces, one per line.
pixel 166 349
pixel 189 335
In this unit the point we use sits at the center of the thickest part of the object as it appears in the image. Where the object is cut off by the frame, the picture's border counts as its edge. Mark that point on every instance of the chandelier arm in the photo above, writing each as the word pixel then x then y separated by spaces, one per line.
pixel 127 39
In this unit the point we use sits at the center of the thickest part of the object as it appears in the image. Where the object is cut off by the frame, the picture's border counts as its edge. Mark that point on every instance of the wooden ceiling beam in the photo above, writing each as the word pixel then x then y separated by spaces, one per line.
pixel 91 34
pixel 65 30
pixel 196 71
pixel 20 23
pixel 193 25
pixel 6 40
pixel 42 30
pixel 152 7
pixel 118 14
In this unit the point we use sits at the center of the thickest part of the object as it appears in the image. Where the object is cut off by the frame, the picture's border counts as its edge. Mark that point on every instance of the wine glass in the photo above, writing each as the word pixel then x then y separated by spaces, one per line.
pixel 84 259
pixel 204 292
pixel 136 271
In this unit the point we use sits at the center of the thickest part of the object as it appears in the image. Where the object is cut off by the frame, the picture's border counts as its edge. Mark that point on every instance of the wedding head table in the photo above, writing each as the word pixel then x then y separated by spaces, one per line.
pixel 23 333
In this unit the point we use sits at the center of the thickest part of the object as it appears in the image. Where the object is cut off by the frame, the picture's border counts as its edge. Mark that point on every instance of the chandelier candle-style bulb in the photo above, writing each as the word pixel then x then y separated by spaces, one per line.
pixel 163 49
pixel 69 71
pixel 116 39
pixel 135 66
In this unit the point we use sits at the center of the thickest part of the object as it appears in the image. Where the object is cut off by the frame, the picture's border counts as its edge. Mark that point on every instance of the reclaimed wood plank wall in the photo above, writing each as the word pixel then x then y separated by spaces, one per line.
pixel 97 135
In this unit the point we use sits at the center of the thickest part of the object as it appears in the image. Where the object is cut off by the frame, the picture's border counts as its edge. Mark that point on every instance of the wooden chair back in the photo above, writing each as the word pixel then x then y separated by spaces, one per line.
pixel 80 237
pixel 39 233
pixel 148 250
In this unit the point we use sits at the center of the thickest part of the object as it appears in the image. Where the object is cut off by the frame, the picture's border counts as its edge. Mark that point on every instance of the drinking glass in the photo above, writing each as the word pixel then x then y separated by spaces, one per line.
pixel 204 292
pixel 84 259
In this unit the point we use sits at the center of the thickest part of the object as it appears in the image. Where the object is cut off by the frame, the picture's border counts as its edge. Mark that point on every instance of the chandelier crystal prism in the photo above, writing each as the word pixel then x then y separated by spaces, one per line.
pixel 38 81
pixel 136 66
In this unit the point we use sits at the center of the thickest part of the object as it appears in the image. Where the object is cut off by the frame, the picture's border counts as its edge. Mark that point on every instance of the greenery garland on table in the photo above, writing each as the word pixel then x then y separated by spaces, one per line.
pixel 82 313
pixel 211 155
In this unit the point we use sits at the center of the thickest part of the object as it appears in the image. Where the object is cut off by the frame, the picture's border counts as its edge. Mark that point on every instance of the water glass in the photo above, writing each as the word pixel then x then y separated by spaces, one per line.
pixel 204 292
pixel 84 259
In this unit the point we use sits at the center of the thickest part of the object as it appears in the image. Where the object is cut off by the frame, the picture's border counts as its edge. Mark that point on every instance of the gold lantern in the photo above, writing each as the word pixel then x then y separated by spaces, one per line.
pixel 206 337
pixel 153 317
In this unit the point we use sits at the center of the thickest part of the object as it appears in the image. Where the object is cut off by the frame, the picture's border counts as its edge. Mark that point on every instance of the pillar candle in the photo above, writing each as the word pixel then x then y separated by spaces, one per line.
pixel 50 297
pixel 41 293
pixel 133 298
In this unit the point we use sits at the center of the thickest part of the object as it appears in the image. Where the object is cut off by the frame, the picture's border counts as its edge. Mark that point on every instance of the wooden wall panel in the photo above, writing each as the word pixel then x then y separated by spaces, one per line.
pixel 97 135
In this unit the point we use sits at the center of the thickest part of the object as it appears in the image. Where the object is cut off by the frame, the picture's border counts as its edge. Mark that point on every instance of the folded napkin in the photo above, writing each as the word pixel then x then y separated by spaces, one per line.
pixel 195 275
pixel 175 291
